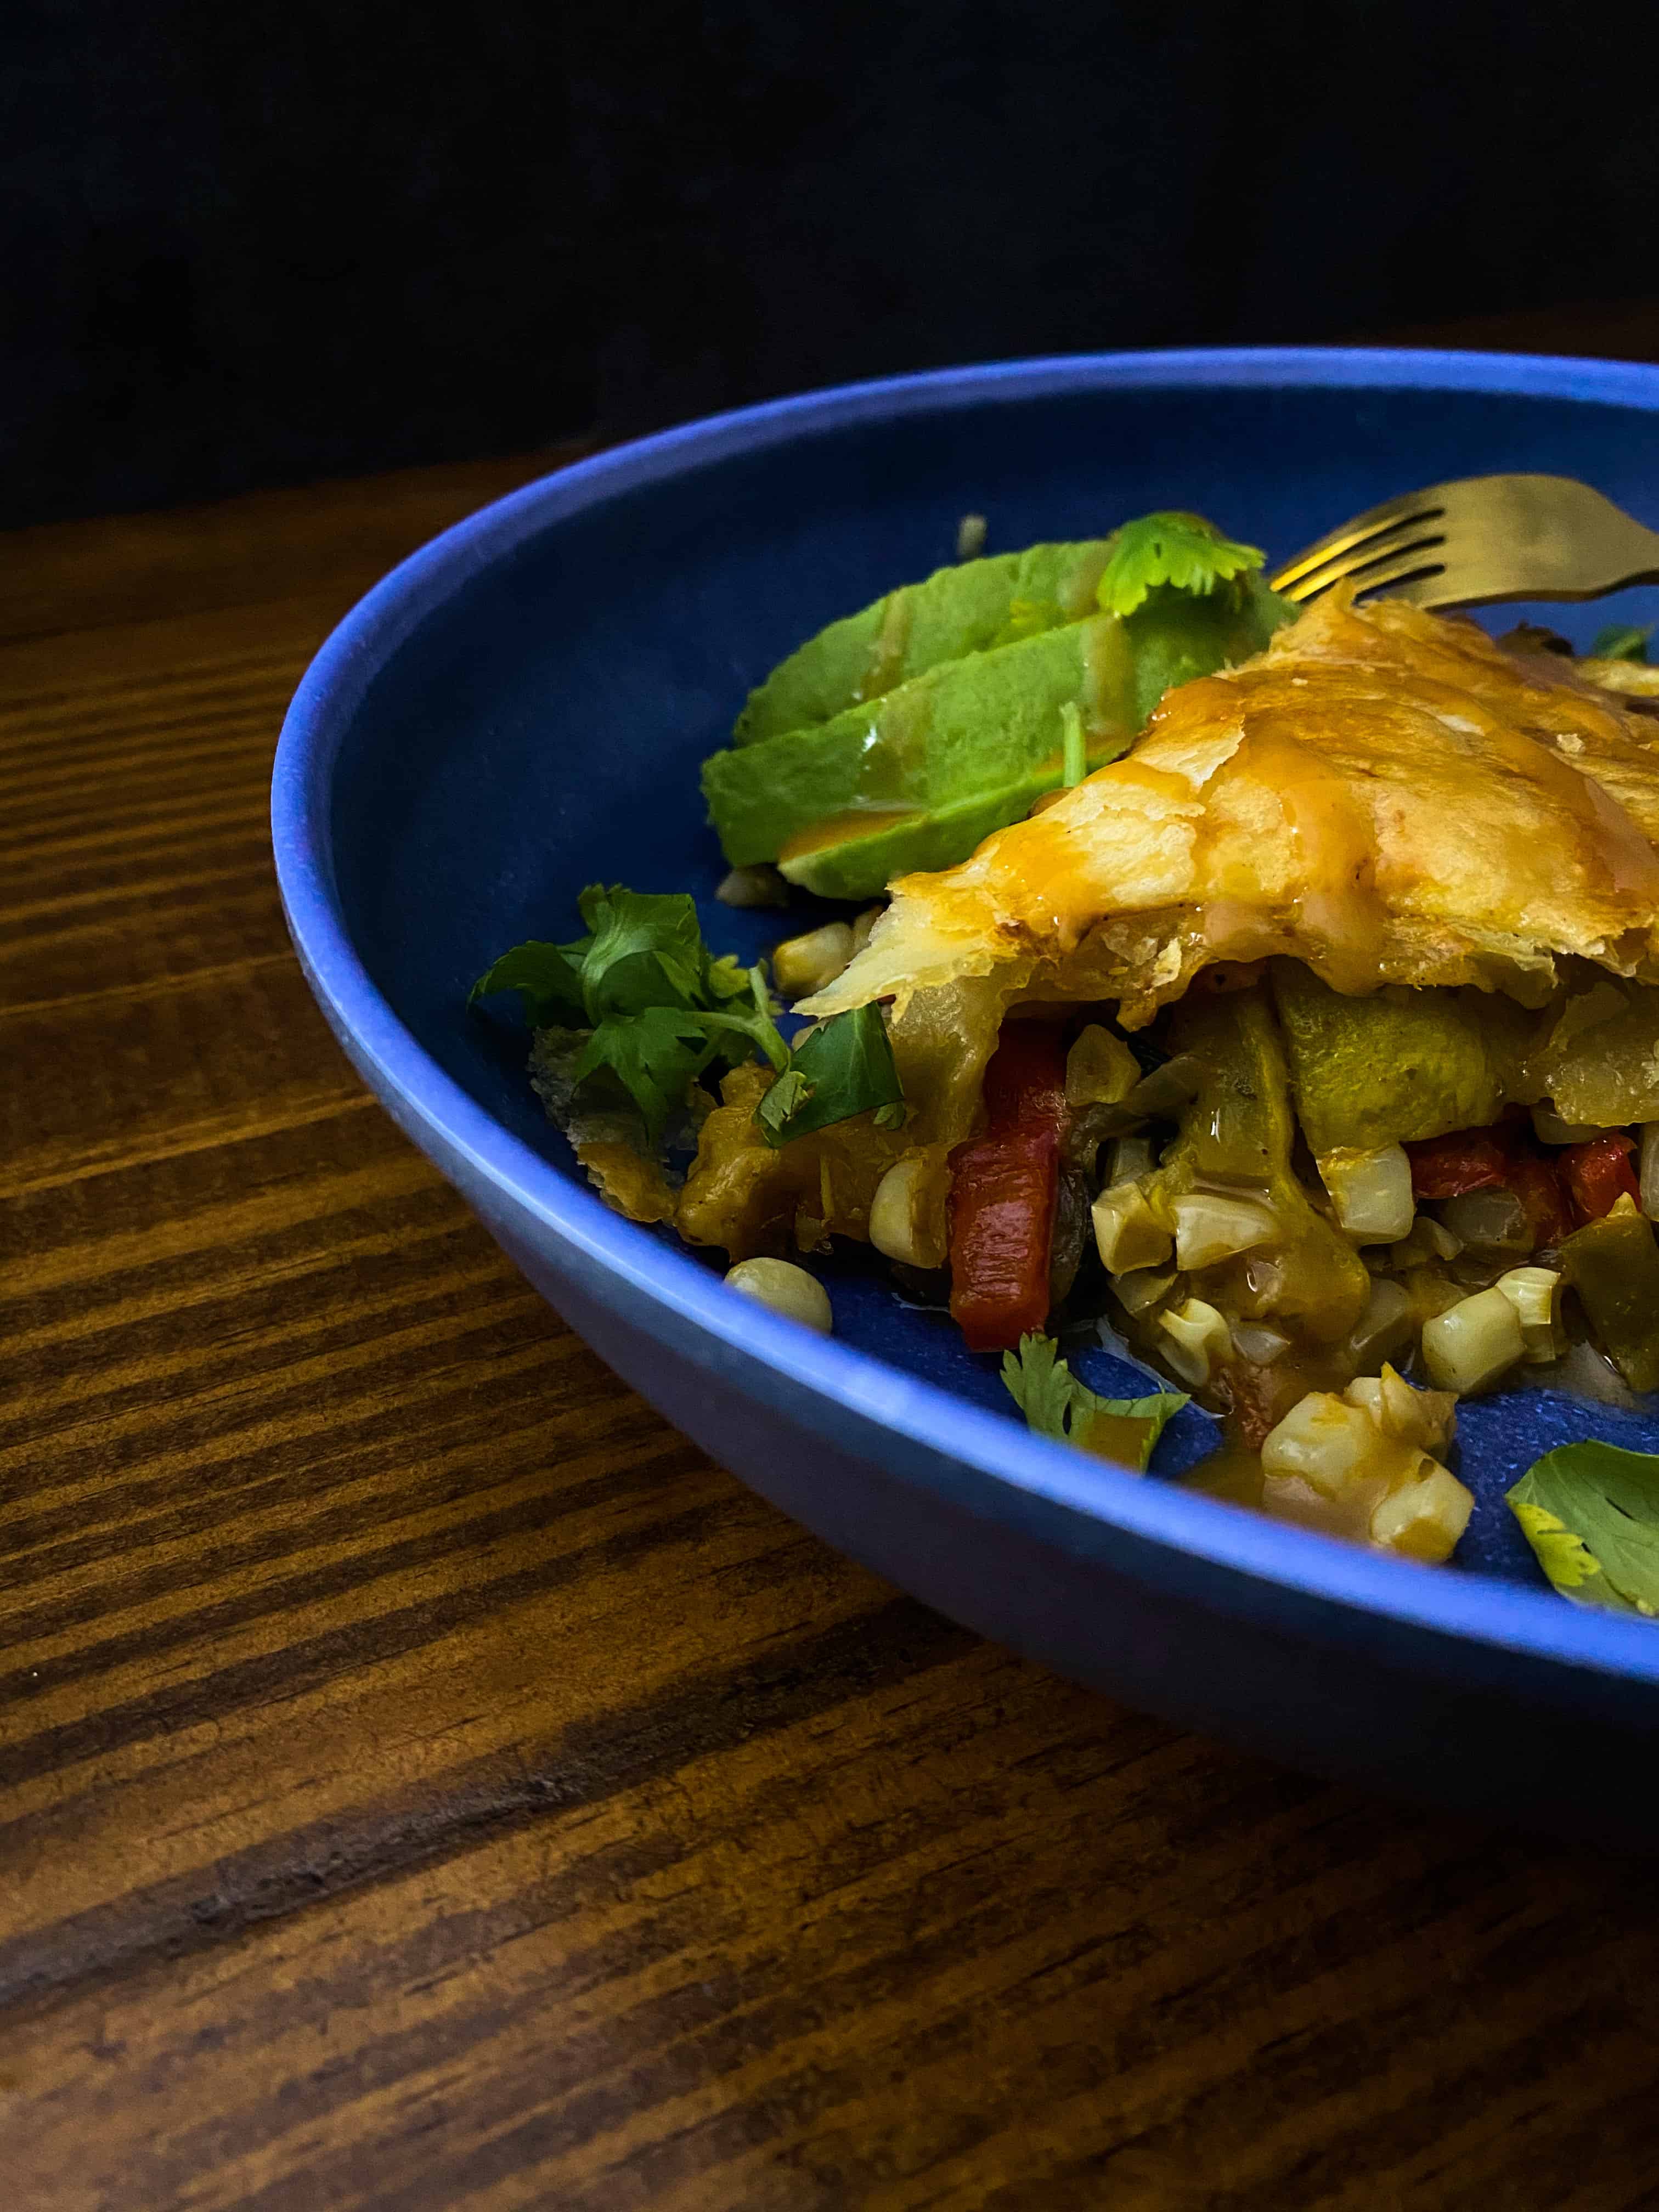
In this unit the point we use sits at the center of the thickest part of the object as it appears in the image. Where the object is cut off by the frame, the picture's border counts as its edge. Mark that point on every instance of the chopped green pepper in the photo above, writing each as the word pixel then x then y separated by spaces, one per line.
pixel 1398 1066
pixel 1599 1062
pixel 1239 1130
pixel 1614 1265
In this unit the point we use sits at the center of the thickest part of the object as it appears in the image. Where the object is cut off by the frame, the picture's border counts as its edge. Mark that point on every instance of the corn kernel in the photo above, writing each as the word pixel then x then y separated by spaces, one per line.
pixel 811 962
pixel 1127 1232
pixel 1423 1519
pixel 907 1212
pixel 1535 1294
pixel 1196 1340
pixel 784 1288
pixel 1371 1192
pixel 1474 1344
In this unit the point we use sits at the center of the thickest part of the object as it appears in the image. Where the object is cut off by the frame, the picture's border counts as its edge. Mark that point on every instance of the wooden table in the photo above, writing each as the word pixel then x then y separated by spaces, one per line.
pixel 430 1783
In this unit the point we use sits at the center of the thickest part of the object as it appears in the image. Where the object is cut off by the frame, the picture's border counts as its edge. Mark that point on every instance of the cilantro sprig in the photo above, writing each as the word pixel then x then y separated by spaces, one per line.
pixel 1621 641
pixel 1590 1512
pixel 1183 551
pixel 661 1011
pixel 1055 1404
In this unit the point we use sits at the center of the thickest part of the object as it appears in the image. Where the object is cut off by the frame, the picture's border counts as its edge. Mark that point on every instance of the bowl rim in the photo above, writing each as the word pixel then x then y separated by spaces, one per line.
pixel 1468 1608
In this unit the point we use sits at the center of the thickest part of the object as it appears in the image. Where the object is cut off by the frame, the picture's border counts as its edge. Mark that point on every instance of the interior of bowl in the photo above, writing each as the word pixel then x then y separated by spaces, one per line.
pixel 541 727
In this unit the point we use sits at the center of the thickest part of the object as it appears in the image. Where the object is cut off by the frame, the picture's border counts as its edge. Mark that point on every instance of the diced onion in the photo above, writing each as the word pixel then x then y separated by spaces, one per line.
pixel 1371 1192
pixel 760 885
pixel 1100 1069
pixel 1651 1170
pixel 1472 1344
pixel 1210 1227
pixel 1139 1291
pixel 1385 1327
pixel 1551 1129
pixel 1161 1095
pixel 1534 1293
pixel 1429 1240
pixel 1131 1157
pixel 1489 1221
pixel 1588 1373
pixel 811 962
pixel 1255 1341
pixel 1127 1231
pixel 907 1217
pixel 1196 1340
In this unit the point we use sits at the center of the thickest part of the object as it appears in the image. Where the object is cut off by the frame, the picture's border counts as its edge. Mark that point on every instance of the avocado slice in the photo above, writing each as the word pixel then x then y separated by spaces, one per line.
pixel 899 737
pixel 965 609
pixel 856 862
pixel 1176 636
pixel 1400 1065
pixel 987 723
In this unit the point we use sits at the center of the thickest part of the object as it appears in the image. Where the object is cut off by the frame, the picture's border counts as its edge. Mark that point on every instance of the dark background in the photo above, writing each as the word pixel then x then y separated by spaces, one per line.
pixel 245 244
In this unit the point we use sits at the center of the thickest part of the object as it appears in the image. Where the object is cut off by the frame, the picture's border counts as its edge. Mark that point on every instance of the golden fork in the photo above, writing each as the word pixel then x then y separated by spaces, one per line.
pixel 1481 538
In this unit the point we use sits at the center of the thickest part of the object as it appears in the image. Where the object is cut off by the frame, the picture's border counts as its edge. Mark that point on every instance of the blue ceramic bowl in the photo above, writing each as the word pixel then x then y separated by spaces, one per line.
pixel 521 708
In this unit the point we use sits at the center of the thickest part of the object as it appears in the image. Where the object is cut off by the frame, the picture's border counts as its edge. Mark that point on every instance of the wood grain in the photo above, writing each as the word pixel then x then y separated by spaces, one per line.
pixel 426 1782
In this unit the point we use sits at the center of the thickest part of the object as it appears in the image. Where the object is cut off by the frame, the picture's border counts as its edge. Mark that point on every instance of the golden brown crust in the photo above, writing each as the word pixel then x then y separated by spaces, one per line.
pixel 1384 793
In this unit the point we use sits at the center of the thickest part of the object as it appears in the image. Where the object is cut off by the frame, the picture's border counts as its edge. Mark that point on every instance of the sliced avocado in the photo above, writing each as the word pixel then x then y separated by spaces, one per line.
pixel 914 774
pixel 982 724
pixel 956 610
pixel 861 864
pixel 1399 1064
pixel 1176 636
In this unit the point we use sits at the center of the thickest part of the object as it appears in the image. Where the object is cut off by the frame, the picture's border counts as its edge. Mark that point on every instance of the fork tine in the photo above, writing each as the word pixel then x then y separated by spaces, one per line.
pixel 1415 536
pixel 1392 515
pixel 1415 564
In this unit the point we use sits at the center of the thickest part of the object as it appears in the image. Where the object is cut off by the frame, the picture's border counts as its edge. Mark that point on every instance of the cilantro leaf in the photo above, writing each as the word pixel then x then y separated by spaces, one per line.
pixel 547 977
pixel 646 950
pixel 753 1023
pixel 655 1054
pixel 1040 1383
pixel 1055 1404
pixel 1183 551
pixel 658 1009
pixel 1621 641
pixel 843 1066
pixel 726 978
pixel 1590 1512
pixel 786 1096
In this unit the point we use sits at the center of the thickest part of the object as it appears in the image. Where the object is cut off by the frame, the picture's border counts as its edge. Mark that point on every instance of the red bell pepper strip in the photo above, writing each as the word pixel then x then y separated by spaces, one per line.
pixel 1468 1159
pixel 1499 1159
pixel 1026 1082
pixel 1534 1181
pixel 1003 1191
pixel 1599 1174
